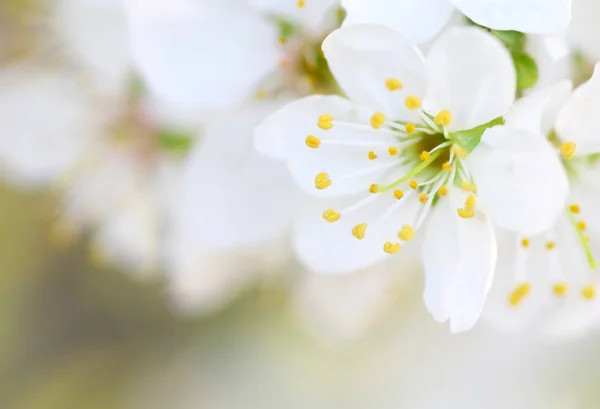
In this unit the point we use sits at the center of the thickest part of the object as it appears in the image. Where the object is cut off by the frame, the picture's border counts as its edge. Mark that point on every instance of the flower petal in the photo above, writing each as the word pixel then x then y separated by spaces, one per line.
pixel 471 74
pixel 583 30
pixel 331 248
pixel 189 57
pixel 528 16
pixel 417 20
pixel 577 121
pixel 460 258
pixel 313 15
pixel 363 57
pixel 519 179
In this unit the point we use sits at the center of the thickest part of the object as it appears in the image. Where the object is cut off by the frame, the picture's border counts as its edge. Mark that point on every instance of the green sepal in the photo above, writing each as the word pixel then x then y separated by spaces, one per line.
pixel 175 141
pixel 286 29
pixel 527 71
pixel 470 138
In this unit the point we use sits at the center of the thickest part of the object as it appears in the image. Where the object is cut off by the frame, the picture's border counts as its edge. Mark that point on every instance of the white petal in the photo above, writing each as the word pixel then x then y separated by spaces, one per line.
pixel 362 57
pixel 553 57
pixel 519 178
pixel 331 248
pixel 460 258
pixel 528 16
pixel 577 121
pixel 313 15
pixel 537 111
pixel 583 30
pixel 471 74
pixel 189 57
pixel 417 20
pixel 283 135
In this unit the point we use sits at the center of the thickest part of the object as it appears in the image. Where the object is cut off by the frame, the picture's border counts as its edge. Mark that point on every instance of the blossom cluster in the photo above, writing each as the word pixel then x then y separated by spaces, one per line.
pixel 326 147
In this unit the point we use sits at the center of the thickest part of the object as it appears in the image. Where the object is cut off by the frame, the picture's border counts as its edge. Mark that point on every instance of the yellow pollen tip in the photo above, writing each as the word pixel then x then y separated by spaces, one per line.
pixel 519 294
pixel 468 187
pixel 459 151
pixel 391 248
pixel 374 188
pixel 443 191
pixel 550 245
pixel 465 213
pixel 582 225
pixel 312 142
pixel 413 184
pixel 447 167
pixel 398 194
pixel 393 84
pixel 525 243
pixel 589 292
pixel 393 151
pixel 300 3
pixel 410 128
pixel 407 233
pixel 424 156
pixel 322 181
pixel 283 40
pixel 377 120
pixel 412 102
pixel 423 198
pixel 567 149
pixel 574 208
pixel 444 117
pixel 261 94
pixel 471 202
pixel 560 289
pixel 331 215
pixel 359 231
pixel 372 155
pixel 325 122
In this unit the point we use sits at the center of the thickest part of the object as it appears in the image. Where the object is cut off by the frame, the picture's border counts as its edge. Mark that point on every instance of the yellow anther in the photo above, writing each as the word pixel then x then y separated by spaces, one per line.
pixel 424 156
pixel 398 194
pixel 312 142
pixel 393 151
pixel 582 225
pixel 325 122
pixel 567 149
pixel 443 117
pixel 359 231
pixel 465 213
pixel 443 191
pixel 525 243
pixel 423 198
pixel 410 128
pixel 589 292
pixel 471 202
pixel 391 248
pixel 377 120
pixel 261 94
pixel 560 289
pixel 322 181
pixel 413 184
pixel 283 40
pixel 550 245
pixel 412 102
pixel 468 186
pixel 372 155
pixel 393 84
pixel 407 233
pixel 519 294
pixel 300 3
pixel 447 167
pixel 374 188
pixel 574 208
pixel 459 151
pixel 331 215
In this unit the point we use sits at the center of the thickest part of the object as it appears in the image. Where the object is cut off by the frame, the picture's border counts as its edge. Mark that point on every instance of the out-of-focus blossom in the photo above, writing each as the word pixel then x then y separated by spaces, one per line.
pixel 421 20
pixel 548 280
pixel 386 154
pixel 584 31
pixel 189 57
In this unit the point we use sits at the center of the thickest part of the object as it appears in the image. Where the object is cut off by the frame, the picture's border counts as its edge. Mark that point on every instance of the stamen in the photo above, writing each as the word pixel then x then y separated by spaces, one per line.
pixel 300 3
pixel 519 294
pixel 567 149
pixel 407 233
pixel 423 198
pixel 374 188
pixel 459 151
pixel 398 194
pixel 471 202
pixel 412 102
pixel 413 184
pixel 443 191
pixel 372 155
pixel 583 239
pixel 391 248
pixel 313 142
pixel 410 128
pixel 560 289
pixel 443 118
pixel 393 151
pixel 359 231
pixel 322 181
pixel 331 215
pixel 325 122
pixel 550 245
pixel 525 243
pixel 393 84
pixel 465 213
pixel 468 186
pixel 447 167
pixel 377 120
pixel 589 292
pixel 574 208
pixel 582 225
pixel 424 156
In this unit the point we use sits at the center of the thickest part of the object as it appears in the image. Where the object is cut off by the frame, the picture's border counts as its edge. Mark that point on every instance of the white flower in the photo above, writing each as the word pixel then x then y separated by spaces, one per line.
pixel 396 147
pixel 583 31
pixel 216 54
pixel 421 20
pixel 549 279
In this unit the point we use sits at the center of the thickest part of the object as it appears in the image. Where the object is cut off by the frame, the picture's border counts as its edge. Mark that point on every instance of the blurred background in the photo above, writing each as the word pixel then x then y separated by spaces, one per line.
pixel 88 320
